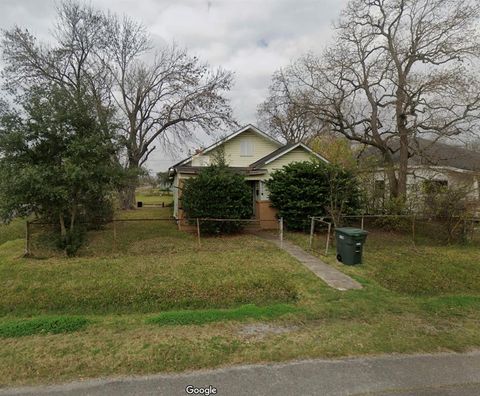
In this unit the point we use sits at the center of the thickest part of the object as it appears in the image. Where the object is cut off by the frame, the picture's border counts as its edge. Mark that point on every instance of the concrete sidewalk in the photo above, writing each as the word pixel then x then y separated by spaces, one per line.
pixel 440 374
pixel 331 276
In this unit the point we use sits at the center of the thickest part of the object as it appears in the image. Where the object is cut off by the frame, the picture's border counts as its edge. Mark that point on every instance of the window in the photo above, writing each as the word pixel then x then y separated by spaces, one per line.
pixel 246 148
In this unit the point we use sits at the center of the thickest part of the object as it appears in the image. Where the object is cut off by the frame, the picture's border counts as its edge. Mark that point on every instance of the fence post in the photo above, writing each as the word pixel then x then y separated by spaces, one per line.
pixel 281 232
pixel 114 236
pixel 362 223
pixel 328 239
pixel 312 229
pixel 198 233
pixel 27 239
pixel 413 229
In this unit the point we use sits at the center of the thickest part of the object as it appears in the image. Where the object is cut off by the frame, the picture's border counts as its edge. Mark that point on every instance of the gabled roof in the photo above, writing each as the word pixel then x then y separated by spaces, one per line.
pixel 248 127
pixel 280 152
pixel 424 152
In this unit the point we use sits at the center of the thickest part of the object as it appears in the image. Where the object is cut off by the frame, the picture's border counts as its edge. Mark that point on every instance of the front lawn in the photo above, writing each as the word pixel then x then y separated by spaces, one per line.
pixel 157 302
pixel 154 268
pixel 428 268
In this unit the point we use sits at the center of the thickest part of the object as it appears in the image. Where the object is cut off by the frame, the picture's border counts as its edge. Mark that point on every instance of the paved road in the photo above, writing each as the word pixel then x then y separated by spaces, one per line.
pixel 424 375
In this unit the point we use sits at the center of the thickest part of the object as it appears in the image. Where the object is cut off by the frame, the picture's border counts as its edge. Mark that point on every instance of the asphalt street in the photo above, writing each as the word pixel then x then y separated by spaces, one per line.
pixel 400 375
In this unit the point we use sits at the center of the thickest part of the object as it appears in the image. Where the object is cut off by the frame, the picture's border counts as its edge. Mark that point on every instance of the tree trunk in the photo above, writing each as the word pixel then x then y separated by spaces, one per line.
pixel 391 175
pixel 127 193
pixel 403 164
pixel 392 181
pixel 403 132
pixel 127 197
pixel 63 230
pixel 73 213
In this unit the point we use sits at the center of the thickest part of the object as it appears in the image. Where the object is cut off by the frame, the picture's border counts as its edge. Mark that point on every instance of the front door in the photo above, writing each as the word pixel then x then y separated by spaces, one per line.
pixel 255 194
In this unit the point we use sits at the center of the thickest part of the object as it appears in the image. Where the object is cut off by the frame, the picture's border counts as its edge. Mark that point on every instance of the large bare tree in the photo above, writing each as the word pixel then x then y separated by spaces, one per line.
pixel 172 94
pixel 397 69
pixel 70 62
pixel 284 114
pixel 157 93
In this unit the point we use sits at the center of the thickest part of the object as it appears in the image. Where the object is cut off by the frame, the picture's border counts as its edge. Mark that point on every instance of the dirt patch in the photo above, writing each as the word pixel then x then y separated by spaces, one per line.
pixel 261 330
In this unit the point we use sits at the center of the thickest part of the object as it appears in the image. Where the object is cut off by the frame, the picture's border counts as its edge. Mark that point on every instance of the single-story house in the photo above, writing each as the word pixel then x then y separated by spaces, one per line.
pixel 252 153
pixel 435 163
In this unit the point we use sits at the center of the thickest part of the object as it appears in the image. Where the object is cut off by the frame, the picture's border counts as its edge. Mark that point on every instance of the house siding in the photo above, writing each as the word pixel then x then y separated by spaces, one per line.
pixel 296 155
pixel 417 175
pixel 232 150
pixel 261 147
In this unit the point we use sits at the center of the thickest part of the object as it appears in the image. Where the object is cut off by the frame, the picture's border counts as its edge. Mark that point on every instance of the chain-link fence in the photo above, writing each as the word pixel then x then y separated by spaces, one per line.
pixel 42 239
pixel 139 235
pixel 204 227
pixel 420 229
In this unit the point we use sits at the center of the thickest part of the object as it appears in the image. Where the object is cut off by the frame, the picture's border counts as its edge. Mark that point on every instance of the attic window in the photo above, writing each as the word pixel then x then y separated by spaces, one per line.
pixel 246 148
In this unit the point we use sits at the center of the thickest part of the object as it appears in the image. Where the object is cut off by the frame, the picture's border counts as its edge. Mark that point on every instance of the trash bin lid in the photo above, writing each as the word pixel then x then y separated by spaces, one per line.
pixel 350 231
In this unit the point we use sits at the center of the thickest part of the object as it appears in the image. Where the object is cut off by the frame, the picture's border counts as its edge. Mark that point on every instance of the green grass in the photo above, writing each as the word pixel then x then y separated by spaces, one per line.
pixel 153 268
pixel 154 198
pixel 41 325
pixel 12 231
pixel 170 277
pixel 199 317
pixel 423 299
pixel 427 269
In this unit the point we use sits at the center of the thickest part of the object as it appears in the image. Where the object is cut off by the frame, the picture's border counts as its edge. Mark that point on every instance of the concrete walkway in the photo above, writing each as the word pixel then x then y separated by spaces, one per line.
pixel 331 276
pixel 439 375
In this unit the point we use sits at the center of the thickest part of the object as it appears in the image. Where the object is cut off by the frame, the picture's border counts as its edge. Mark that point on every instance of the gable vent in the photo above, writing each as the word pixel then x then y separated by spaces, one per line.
pixel 246 148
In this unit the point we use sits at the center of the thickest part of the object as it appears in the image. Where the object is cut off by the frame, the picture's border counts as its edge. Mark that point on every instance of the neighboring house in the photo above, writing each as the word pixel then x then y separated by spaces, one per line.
pixel 433 163
pixel 250 152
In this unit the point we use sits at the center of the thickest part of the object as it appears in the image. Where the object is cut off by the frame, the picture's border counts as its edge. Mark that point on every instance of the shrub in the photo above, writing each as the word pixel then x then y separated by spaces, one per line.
pixel 72 241
pixel 313 188
pixel 97 213
pixel 449 205
pixel 45 325
pixel 395 210
pixel 217 192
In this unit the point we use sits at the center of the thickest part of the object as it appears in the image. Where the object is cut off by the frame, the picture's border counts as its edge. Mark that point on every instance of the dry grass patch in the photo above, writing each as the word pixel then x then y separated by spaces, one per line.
pixel 412 301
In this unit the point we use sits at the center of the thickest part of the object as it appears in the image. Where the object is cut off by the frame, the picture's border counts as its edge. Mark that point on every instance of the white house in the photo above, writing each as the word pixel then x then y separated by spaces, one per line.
pixel 437 163
pixel 252 153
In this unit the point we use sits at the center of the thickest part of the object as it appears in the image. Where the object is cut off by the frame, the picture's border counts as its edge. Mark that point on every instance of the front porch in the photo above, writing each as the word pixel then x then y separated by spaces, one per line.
pixel 262 209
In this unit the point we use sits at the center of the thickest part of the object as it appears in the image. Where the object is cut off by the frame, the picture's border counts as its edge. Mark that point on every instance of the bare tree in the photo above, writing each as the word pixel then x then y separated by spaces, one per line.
pixel 285 115
pixel 70 63
pixel 160 94
pixel 397 69
pixel 173 94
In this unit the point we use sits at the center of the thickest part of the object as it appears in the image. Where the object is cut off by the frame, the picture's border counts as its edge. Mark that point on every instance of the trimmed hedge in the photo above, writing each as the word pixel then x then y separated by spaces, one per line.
pixel 219 193
pixel 303 189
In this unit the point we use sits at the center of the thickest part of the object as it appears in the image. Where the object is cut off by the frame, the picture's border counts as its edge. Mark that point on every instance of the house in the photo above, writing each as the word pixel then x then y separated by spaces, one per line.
pixel 431 164
pixel 252 153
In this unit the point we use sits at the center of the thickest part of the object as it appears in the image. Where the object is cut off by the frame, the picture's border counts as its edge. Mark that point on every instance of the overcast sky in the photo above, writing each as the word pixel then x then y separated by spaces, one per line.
pixel 252 38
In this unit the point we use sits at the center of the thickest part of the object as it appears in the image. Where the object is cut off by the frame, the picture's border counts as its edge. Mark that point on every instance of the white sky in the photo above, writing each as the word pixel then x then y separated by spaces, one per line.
pixel 252 38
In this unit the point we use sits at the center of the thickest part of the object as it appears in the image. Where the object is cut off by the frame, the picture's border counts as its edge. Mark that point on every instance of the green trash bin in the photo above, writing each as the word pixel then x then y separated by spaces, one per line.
pixel 350 244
